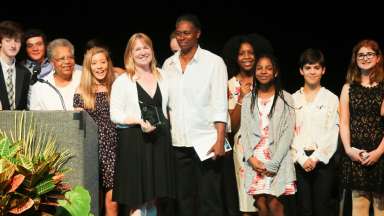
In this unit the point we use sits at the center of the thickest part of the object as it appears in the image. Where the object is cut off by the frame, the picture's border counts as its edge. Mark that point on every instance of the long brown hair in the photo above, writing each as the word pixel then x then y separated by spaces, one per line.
pixel 376 74
pixel 88 81
pixel 128 56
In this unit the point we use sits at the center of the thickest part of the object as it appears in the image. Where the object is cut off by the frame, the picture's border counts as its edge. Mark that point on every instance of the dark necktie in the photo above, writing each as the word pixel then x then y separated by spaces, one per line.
pixel 10 87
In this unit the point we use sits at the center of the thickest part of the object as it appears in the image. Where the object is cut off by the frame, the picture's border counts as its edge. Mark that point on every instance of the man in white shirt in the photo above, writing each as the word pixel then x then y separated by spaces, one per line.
pixel 56 91
pixel 198 113
pixel 316 136
pixel 14 78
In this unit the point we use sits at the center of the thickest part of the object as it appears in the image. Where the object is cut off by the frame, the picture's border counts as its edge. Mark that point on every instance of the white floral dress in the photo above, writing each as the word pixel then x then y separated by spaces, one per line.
pixel 245 201
pixel 262 184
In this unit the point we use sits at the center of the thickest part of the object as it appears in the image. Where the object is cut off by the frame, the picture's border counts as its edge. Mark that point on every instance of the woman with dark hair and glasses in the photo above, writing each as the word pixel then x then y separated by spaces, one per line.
pixel 362 129
pixel 267 129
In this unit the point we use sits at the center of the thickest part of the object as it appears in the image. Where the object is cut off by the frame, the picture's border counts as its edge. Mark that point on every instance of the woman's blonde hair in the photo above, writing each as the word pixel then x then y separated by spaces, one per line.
pixel 87 87
pixel 376 74
pixel 128 55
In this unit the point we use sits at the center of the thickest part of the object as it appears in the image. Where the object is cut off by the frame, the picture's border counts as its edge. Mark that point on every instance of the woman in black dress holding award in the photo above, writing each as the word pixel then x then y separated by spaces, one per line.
pixel 145 163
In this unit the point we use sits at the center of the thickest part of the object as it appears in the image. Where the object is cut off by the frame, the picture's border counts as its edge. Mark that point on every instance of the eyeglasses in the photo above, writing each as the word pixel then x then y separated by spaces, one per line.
pixel 62 59
pixel 369 55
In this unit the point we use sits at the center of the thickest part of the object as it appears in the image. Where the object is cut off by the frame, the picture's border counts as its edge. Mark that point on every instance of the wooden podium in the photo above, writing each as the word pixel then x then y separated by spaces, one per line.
pixel 75 131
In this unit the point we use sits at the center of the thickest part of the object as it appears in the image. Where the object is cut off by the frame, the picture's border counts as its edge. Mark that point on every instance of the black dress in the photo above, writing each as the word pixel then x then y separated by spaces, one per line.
pixel 107 136
pixel 145 162
pixel 367 130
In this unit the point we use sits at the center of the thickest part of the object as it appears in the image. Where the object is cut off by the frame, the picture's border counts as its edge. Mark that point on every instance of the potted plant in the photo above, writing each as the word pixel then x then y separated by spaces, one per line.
pixel 31 169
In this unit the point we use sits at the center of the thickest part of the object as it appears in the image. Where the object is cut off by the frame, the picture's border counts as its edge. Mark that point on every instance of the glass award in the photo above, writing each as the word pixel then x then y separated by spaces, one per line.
pixel 151 114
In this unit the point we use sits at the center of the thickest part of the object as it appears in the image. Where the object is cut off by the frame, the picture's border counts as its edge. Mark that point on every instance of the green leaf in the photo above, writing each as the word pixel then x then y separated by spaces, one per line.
pixel 26 163
pixel 12 160
pixel 45 187
pixel 4 147
pixel 13 150
pixel 77 202
pixel 41 172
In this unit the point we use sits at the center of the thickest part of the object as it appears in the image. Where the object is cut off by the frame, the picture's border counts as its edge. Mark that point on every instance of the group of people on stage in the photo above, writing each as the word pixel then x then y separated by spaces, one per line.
pixel 152 122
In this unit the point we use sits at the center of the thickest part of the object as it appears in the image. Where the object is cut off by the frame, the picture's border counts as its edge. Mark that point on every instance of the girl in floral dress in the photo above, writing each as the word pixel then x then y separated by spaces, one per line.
pixel 267 129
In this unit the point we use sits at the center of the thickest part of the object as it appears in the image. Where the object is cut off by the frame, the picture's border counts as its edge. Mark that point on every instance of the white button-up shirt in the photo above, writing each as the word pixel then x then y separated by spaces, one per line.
pixel 317 126
pixel 197 98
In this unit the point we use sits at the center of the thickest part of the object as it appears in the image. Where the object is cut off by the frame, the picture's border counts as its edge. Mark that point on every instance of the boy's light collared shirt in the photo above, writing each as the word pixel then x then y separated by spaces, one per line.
pixel 317 126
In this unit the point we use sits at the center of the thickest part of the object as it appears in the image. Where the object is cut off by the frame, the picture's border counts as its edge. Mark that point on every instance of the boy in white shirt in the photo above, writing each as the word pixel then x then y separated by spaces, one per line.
pixel 316 136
